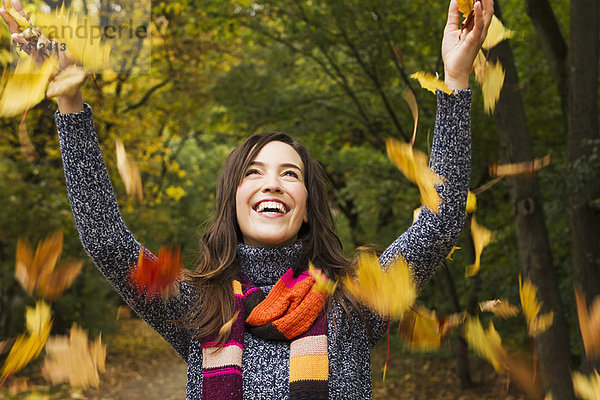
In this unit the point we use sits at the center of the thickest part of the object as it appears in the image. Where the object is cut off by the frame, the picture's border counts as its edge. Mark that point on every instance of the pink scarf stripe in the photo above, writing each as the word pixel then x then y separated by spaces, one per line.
pixel 222 371
pixel 227 343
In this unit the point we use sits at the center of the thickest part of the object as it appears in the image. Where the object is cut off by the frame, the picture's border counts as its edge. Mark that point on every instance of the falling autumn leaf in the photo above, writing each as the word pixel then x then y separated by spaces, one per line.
pixel 389 292
pixel 84 47
pixel 27 146
pixel 421 330
pixel 129 172
pixel 536 323
pixel 501 308
pixel 26 86
pixel 486 344
pixel 323 283
pixel 587 388
pixel 481 238
pixel 526 168
pixel 497 33
pixel 67 81
pixel 491 86
pixel 465 7
pixel 158 276
pixel 74 360
pixel 411 100
pixel 14 12
pixel 589 325
pixel 28 346
pixel 40 273
pixel 449 256
pixel 471 203
pixel 414 165
pixel 430 82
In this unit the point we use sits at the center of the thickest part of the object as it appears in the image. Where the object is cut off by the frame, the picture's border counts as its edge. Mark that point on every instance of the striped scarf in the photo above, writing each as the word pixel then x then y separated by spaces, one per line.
pixel 291 312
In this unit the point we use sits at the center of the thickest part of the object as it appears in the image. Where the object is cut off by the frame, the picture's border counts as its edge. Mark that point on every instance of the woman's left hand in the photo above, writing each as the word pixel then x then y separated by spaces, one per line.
pixel 460 46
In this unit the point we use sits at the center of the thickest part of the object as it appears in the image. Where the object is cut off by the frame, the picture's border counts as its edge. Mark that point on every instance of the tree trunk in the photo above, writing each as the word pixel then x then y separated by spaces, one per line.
pixel 532 236
pixel 582 123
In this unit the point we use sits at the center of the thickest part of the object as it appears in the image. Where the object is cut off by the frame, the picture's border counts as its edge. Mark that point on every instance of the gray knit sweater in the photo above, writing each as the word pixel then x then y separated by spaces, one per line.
pixel 265 363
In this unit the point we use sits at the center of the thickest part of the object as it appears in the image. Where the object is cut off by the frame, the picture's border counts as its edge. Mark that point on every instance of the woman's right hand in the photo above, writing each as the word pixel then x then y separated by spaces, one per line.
pixel 66 104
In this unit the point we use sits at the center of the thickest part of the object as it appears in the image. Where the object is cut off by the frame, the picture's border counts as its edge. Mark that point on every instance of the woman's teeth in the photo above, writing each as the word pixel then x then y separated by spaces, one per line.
pixel 271 206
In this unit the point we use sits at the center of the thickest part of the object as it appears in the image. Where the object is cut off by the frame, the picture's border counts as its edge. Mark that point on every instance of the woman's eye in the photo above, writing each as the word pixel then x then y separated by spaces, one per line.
pixel 291 173
pixel 251 172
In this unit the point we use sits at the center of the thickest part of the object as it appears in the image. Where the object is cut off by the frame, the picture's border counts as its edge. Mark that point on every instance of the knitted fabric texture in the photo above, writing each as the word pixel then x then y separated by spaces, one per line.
pixel 296 302
pixel 265 363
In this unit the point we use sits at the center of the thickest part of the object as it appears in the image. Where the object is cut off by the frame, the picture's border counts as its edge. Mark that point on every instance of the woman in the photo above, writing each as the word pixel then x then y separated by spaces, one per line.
pixel 272 218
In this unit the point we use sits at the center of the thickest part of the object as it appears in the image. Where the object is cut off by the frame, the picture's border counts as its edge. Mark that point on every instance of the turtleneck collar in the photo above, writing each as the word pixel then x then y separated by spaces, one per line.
pixel 264 266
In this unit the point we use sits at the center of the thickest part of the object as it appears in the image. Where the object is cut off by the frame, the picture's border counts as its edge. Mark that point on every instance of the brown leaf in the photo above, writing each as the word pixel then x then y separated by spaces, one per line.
pixel 67 81
pixel 27 146
pixel 589 324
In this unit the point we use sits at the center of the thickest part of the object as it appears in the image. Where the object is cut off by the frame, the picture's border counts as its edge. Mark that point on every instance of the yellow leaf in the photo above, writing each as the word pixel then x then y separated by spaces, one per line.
pixel 421 330
pixel 72 359
pixel 481 238
pixel 536 323
pixel 324 284
pixel 81 37
pixel 410 98
pixel 496 34
pixel 430 82
pixel 413 165
pixel 449 256
pixel 499 307
pixel 67 82
pixel 487 344
pixel 491 87
pixel 589 325
pixel 226 328
pixel 465 6
pixel 21 20
pixel 26 86
pixel 471 203
pixel 27 146
pixel 129 172
pixel 27 347
pixel 587 388
pixel 389 293
pixel 479 66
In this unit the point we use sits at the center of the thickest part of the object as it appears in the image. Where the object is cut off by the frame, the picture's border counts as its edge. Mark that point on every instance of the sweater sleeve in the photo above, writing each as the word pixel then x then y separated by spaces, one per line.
pixel 430 238
pixel 102 231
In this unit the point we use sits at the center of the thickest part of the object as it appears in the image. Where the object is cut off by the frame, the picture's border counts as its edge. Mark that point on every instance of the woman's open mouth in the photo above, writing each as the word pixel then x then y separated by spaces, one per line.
pixel 272 207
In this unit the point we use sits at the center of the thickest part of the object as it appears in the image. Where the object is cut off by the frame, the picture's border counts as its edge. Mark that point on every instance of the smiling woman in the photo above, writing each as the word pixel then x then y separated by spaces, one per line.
pixel 250 320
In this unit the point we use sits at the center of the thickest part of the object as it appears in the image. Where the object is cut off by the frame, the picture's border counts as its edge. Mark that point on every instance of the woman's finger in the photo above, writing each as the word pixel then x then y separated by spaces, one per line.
pixel 453 16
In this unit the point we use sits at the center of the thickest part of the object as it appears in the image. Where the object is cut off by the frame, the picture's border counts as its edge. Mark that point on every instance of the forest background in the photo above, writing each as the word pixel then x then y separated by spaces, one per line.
pixel 333 74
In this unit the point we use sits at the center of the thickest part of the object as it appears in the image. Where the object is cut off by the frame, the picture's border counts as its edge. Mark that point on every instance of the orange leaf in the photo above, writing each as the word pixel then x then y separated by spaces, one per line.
pixel 39 273
pixel 158 275
pixel 589 325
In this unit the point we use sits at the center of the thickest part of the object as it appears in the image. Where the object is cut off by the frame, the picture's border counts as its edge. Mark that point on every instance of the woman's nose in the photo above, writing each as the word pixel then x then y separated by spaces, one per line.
pixel 272 183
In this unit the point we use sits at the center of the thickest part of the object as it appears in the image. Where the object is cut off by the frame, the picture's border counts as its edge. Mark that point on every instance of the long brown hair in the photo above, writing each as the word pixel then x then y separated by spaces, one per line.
pixel 219 264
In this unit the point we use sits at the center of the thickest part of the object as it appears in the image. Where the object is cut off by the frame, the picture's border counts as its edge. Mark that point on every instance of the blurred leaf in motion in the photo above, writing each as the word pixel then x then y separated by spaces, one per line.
pixel 158 276
pixel 589 325
pixel 430 82
pixel 536 323
pixel 39 273
pixel 324 284
pixel 67 81
pixel 389 293
pixel 587 388
pixel 421 330
pixel 129 172
pixel 481 238
pixel 28 346
pixel 74 360
pixel 501 308
pixel 526 168
pixel 414 165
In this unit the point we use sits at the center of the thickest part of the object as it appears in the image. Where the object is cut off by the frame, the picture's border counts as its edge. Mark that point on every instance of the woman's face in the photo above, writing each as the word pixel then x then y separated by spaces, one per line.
pixel 271 199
